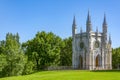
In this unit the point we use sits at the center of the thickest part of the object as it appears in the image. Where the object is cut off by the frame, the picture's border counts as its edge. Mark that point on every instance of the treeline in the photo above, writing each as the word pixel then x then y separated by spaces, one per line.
pixel 45 49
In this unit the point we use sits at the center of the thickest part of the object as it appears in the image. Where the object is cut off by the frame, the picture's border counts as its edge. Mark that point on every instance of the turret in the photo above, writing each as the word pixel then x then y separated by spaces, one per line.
pixel 104 29
pixel 73 27
pixel 88 23
pixel 88 30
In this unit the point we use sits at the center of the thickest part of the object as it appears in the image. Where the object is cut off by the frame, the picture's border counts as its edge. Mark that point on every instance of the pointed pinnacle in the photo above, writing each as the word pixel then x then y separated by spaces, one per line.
pixel 104 21
pixel 74 22
pixel 88 17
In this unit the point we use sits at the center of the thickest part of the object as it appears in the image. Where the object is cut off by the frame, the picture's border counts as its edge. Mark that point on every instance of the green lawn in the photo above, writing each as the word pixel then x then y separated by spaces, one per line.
pixel 69 75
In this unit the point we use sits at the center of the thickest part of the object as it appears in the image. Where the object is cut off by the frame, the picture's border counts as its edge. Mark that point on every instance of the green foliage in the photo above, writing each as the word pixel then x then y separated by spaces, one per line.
pixel 15 59
pixel 66 52
pixel 2 61
pixel 115 57
pixel 43 50
pixel 15 64
pixel 2 47
pixel 28 68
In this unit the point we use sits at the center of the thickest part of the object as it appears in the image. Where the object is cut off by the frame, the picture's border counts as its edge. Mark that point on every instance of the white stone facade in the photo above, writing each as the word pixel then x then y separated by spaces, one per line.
pixel 91 50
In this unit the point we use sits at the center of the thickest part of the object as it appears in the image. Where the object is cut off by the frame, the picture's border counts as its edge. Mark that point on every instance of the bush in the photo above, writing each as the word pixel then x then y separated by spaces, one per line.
pixel 28 67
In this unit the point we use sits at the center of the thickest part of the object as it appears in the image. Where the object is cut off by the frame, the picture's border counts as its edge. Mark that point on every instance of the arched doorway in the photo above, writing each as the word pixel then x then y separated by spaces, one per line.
pixel 81 62
pixel 97 61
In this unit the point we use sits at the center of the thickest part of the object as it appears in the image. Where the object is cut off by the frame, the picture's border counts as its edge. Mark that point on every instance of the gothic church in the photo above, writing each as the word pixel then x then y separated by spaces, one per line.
pixel 91 50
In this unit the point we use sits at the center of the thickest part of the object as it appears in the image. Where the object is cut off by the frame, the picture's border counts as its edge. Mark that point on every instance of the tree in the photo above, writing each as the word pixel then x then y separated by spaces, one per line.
pixel 66 53
pixel 115 57
pixel 28 68
pixel 2 62
pixel 43 50
pixel 14 56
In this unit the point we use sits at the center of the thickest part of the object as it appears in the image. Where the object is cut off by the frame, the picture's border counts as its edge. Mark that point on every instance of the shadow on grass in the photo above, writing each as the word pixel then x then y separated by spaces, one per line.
pixel 36 71
pixel 3 76
pixel 105 71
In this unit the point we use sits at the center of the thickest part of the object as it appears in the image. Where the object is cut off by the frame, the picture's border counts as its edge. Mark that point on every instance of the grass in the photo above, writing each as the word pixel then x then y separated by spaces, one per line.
pixel 69 75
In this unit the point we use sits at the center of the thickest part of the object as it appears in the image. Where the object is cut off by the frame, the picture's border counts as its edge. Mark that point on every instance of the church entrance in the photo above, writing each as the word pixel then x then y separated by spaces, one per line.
pixel 97 61
pixel 81 62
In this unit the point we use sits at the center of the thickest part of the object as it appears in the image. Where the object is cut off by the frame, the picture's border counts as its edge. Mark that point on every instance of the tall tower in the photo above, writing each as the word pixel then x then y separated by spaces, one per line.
pixel 104 27
pixel 110 52
pixel 74 55
pixel 104 43
pixel 88 31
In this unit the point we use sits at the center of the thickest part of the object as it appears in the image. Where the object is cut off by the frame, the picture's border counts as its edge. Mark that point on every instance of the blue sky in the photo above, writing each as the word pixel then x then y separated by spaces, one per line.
pixel 27 17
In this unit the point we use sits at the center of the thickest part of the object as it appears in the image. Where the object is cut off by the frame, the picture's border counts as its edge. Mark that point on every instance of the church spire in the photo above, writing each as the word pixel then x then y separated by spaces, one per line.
pixel 88 18
pixel 105 26
pixel 74 27
pixel 104 21
pixel 74 21
pixel 88 23
pixel 104 29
